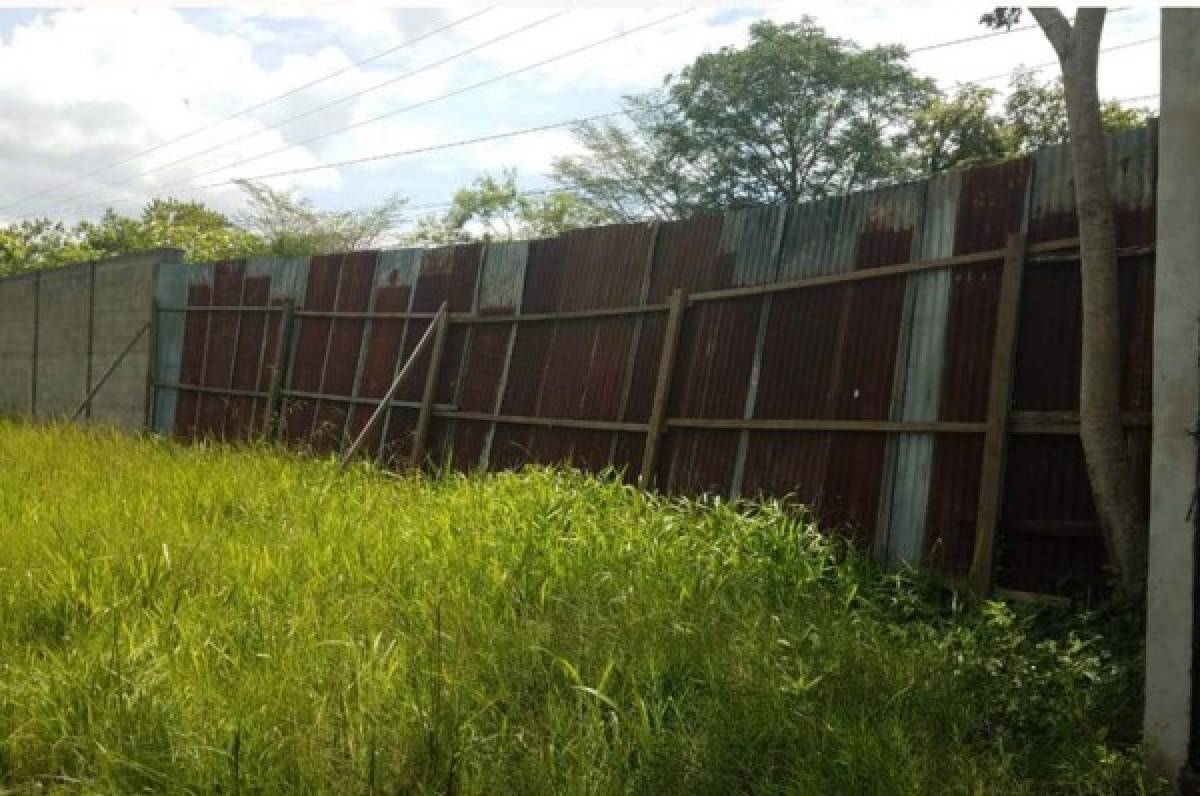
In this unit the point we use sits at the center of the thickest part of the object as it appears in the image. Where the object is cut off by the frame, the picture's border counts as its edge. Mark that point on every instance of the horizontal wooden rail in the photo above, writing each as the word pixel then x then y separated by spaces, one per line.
pixel 1061 423
pixel 359 400
pixel 548 422
pixel 990 256
pixel 200 388
pixel 1064 423
pixel 467 319
pixel 790 424
pixel 185 308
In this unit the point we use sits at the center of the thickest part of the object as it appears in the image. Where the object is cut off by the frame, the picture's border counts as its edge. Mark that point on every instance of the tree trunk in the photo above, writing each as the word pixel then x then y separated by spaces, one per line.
pixel 1110 469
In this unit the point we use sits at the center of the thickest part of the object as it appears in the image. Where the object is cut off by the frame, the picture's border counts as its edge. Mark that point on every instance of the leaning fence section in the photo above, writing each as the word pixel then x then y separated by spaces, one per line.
pixel 905 360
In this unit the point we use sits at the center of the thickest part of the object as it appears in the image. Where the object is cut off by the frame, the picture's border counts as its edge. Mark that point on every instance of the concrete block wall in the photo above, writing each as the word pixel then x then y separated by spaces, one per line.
pixel 62 328
pixel 64 320
pixel 18 310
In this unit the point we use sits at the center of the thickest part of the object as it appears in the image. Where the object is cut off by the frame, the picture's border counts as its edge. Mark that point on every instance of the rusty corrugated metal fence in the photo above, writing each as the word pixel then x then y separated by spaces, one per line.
pixel 805 367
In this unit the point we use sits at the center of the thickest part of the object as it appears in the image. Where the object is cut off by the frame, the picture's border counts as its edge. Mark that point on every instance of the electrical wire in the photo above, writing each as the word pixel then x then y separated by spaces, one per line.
pixel 250 108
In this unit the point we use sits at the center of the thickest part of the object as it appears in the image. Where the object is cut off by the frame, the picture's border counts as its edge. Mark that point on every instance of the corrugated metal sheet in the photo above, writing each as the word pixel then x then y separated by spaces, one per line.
pixel 861 387
pixel 195 336
pixel 172 291
pixel 356 277
pixel 501 284
pixel 544 271
pixel 906 348
pixel 908 459
pixel 1132 169
pixel 585 370
pixel 992 204
pixel 395 275
pixel 816 242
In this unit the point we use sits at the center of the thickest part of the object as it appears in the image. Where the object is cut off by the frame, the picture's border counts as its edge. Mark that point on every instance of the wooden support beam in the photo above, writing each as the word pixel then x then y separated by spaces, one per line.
pixel 662 388
pixel 440 323
pixel 385 402
pixel 995 445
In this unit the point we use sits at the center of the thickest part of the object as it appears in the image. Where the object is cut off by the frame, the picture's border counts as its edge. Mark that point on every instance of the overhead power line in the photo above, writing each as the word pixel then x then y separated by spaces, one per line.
pixel 390 155
pixel 982 36
pixel 324 106
pixel 423 103
pixel 1047 64
pixel 250 108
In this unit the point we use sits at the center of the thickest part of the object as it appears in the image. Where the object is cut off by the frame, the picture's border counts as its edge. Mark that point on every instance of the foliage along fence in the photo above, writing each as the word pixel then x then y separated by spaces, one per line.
pixel 904 360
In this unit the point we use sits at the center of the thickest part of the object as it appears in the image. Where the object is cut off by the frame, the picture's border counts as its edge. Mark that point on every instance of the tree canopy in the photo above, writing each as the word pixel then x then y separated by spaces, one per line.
pixel 799 114
pixel 494 208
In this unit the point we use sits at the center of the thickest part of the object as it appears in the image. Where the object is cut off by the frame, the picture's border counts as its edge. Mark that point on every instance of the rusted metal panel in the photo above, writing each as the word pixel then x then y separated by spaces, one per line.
pixel 953 499
pixel 585 363
pixel 434 284
pixel 199 294
pixel 522 389
pixel 287 278
pixel 686 255
pixel 395 275
pixel 356 276
pixel 310 345
pixel 459 442
pixel 1132 170
pixel 717 353
pixel 248 358
pixel 501 285
pixel 992 204
pixel 908 460
pixel 1137 332
pixel 1046 376
pixel 865 358
pixel 1050 537
pixel 227 287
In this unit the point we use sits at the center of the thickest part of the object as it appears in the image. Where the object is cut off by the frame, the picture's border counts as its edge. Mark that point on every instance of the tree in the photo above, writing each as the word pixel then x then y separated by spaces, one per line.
pixel 959 130
pixel 35 244
pixel 795 114
pixel 1110 469
pixel 630 172
pixel 295 226
pixel 494 208
pixel 1036 113
pixel 203 234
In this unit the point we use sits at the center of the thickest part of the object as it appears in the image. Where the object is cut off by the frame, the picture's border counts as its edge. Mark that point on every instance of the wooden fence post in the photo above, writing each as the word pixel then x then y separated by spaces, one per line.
pixel 431 377
pixel 995 444
pixel 662 388
pixel 272 417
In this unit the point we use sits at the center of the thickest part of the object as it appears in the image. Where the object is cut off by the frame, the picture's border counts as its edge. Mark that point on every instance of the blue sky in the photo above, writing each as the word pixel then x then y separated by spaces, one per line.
pixel 85 88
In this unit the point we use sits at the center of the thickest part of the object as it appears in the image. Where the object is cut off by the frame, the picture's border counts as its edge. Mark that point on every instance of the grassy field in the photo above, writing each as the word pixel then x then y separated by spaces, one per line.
pixel 207 620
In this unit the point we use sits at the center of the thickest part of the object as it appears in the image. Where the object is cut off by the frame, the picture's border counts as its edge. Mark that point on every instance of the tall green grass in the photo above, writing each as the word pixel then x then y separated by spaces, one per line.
pixel 204 619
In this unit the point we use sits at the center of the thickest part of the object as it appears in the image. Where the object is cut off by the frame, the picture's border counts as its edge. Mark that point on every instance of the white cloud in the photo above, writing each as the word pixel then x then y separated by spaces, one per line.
pixel 83 88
